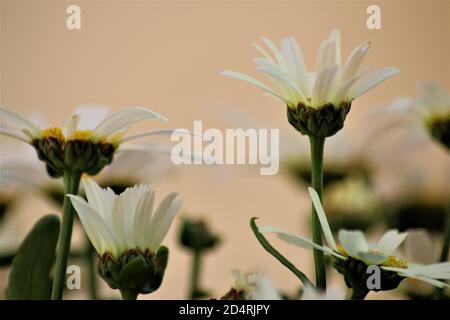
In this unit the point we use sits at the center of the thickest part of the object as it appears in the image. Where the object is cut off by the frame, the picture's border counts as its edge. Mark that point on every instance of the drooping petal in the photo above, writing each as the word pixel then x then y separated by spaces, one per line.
pixel 390 241
pixel 354 242
pixel 323 219
pixel 22 123
pixel 166 132
pixel 299 241
pixel 254 82
pixel 371 80
pixel 123 119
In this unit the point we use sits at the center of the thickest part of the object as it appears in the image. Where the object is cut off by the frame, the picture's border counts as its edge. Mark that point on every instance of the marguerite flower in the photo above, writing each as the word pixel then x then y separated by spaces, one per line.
pixel 431 108
pixel 317 103
pixel 73 146
pixel 252 286
pixel 354 255
pixel 127 234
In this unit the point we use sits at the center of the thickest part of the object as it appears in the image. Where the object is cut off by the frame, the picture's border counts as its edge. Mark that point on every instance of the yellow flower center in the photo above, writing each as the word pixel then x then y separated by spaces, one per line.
pixel 54 133
pixel 341 250
pixel 395 262
pixel 82 135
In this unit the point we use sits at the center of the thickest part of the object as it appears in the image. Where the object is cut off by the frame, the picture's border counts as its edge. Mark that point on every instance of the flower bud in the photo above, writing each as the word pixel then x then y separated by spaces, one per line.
pixel 439 128
pixel 134 272
pixel 196 236
pixel 321 122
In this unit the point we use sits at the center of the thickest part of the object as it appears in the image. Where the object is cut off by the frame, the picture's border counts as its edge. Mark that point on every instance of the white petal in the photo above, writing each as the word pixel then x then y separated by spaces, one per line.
pixel 354 242
pixel 354 61
pixel 390 241
pixel 162 220
pixel 144 211
pixel 254 82
pixel 285 82
pixel 296 64
pixel 90 116
pixel 323 219
pixel 166 132
pixel 298 241
pixel 124 118
pixel 99 199
pixel 264 53
pixel 14 134
pixel 372 80
pixel 278 56
pixel 324 85
pixel 419 247
pixel 372 258
pixel 342 93
pixel 97 230
pixel 20 121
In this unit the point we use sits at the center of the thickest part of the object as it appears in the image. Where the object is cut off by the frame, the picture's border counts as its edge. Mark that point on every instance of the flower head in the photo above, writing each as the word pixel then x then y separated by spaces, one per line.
pixel 73 146
pixel 354 254
pixel 317 103
pixel 127 233
pixel 432 108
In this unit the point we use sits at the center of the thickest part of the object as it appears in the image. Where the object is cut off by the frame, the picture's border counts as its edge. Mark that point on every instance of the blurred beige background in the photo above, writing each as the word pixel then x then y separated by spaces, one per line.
pixel 168 55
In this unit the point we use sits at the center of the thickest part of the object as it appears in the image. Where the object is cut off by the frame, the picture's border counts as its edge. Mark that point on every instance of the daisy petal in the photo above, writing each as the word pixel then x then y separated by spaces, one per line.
pixel 372 80
pixel 354 242
pixel 390 241
pixel 22 122
pixel 323 219
pixel 124 118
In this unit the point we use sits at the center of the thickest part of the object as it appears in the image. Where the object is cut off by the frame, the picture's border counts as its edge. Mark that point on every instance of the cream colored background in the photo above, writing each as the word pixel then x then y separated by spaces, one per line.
pixel 168 55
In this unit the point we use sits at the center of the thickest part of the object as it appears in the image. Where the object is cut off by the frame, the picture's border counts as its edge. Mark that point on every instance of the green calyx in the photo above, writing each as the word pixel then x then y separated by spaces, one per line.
pixel 323 122
pixel 439 128
pixel 195 235
pixel 135 271
pixel 356 277
pixel 78 155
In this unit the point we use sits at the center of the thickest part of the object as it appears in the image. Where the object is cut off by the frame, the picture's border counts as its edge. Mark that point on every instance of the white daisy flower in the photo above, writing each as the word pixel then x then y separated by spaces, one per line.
pixel 353 244
pixel 116 224
pixel 255 286
pixel 431 109
pixel 333 87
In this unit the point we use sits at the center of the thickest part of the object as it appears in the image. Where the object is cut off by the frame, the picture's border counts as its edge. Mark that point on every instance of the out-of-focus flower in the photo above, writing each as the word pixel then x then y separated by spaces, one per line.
pixel 252 286
pixel 351 204
pixel 127 234
pixel 73 146
pixel 317 104
pixel 354 255
pixel 332 293
pixel 431 108
pixel 197 236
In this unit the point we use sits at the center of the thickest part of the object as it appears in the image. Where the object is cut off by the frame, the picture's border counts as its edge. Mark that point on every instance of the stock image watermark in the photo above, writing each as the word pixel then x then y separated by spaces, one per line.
pixel 232 147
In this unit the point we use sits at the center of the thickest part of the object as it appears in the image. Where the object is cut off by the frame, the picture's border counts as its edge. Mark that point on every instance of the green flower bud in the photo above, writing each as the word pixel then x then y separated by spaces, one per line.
pixel 323 122
pixel 356 275
pixel 196 236
pixel 439 128
pixel 134 272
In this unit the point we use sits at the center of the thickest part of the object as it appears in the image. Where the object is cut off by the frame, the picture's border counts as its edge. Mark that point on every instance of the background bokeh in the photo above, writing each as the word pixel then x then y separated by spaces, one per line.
pixel 167 55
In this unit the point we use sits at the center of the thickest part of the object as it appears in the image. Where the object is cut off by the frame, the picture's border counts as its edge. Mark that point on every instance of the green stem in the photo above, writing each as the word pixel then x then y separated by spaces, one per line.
pixel 195 274
pixel 358 294
pixel 268 247
pixel 71 183
pixel 317 146
pixel 129 295
pixel 444 253
pixel 92 272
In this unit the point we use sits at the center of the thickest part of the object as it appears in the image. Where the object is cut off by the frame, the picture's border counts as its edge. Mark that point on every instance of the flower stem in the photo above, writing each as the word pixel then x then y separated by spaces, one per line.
pixel 71 184
pixel 317 146
pixel 358 294
pixel 444 253
pixel 195 274
pixel 129 294
pixel 92 272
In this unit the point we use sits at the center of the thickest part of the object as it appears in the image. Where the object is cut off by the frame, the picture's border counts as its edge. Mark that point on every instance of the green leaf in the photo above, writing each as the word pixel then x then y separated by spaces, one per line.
pixel 30 274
